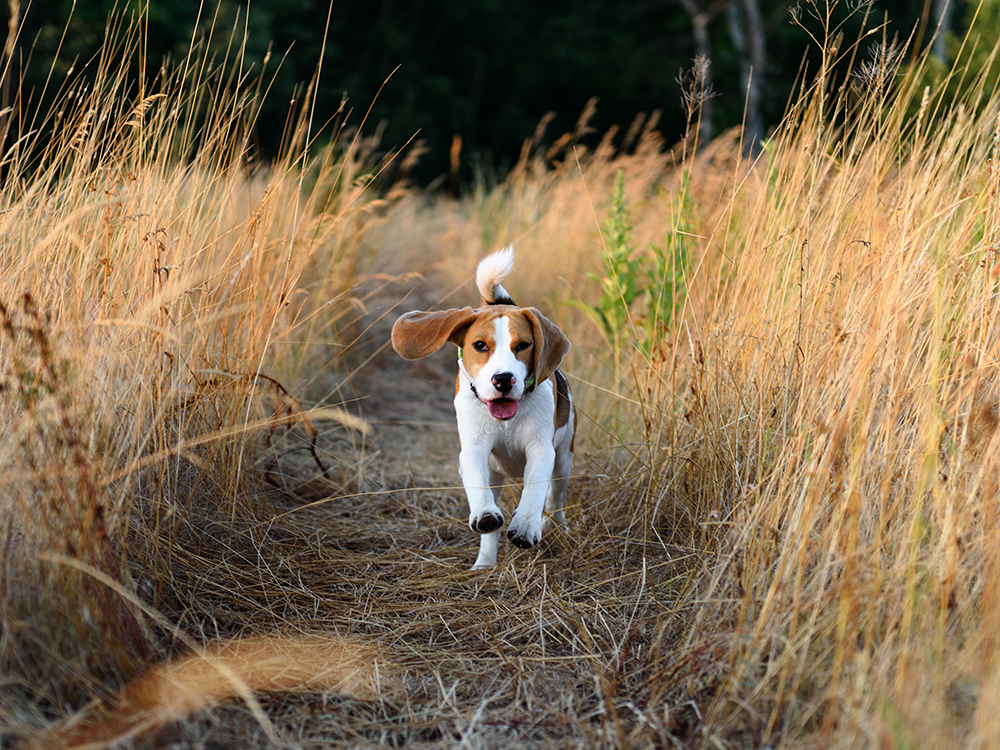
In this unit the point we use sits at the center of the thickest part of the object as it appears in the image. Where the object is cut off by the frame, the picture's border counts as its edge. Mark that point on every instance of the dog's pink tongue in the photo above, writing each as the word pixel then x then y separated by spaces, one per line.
pixel 502 408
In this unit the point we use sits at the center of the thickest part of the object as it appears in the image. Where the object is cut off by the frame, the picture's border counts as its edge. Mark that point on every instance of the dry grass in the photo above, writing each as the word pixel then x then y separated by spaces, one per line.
pixel 783 531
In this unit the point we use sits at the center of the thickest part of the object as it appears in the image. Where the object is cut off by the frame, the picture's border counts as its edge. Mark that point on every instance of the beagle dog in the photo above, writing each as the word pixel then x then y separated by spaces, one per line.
pixel 515 410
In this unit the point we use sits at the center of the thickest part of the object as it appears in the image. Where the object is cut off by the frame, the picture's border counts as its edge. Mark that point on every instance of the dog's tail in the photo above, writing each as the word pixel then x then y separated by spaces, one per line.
pixel 492 270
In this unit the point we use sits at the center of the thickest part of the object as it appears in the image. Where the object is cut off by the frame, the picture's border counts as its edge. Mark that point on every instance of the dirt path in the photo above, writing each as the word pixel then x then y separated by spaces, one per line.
pixel 409 403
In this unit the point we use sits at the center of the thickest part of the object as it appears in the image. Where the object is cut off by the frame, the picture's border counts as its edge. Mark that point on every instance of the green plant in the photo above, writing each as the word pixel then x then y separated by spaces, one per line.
pixel 666 290
pixel 623 285
pixel 619 289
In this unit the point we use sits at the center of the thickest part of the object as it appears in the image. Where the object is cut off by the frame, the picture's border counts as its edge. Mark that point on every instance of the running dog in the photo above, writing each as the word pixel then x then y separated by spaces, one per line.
pixel 515 410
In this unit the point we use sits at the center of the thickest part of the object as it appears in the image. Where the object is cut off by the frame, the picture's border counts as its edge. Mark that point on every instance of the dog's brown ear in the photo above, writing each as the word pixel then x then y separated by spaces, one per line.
pixel 550 344
pixel 418 334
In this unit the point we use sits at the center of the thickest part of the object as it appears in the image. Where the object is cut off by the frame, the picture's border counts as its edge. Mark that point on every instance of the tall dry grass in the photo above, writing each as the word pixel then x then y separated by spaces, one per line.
pixel 840 434
pixel 164 304
pixel 783 528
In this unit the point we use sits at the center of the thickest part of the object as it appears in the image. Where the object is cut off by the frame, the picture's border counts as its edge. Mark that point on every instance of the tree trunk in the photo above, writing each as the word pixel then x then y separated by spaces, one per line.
pixel 747 32
pixel 942 15
pixel 10 73
pixel 699 27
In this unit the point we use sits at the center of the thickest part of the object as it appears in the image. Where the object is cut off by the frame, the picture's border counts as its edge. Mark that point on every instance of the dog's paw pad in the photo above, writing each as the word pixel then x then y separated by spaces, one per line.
pixel 525 538
pixel 486 522
pixel 522 542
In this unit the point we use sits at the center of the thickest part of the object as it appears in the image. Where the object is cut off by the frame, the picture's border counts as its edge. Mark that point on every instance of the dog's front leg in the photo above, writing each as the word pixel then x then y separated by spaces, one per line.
pixel 525 528
pixel 488 544
pixel 473 465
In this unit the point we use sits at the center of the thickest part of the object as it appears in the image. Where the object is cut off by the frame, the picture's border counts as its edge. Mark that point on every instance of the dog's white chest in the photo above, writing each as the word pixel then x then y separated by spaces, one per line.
pixel 508 457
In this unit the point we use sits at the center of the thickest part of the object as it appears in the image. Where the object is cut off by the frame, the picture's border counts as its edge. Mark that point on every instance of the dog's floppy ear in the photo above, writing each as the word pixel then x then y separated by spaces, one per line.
pixel 550 344
pixel 418 334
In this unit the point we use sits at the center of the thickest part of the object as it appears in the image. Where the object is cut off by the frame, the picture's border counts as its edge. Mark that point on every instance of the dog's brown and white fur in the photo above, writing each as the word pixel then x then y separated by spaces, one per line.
pixel 515 410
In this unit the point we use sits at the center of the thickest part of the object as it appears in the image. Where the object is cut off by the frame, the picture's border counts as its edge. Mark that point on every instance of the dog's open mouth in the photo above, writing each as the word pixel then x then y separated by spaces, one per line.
pixel 502 408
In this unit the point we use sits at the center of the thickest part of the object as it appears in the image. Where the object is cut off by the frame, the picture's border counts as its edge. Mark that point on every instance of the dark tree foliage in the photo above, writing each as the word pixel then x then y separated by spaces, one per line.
pixel 486 70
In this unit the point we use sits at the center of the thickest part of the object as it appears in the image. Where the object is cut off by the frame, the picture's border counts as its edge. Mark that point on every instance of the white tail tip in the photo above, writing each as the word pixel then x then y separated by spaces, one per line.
pixel 492 270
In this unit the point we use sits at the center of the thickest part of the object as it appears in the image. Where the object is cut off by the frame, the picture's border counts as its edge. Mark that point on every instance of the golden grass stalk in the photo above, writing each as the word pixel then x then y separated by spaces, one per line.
pixel 219 673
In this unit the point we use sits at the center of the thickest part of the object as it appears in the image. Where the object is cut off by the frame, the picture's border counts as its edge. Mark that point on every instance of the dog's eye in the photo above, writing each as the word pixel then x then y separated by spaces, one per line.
pixel 522 346
pixel 480 346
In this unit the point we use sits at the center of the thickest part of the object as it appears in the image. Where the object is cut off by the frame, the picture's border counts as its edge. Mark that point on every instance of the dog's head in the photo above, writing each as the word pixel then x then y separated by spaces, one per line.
pixel 504 350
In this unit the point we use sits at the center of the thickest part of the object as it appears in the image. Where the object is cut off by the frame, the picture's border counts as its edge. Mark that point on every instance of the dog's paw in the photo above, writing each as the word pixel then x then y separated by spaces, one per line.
pixel 486 520
pixel 524 532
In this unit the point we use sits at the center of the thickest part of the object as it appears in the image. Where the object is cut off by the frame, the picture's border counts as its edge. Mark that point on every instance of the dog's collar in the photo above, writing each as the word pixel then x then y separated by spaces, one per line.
pixel 461 367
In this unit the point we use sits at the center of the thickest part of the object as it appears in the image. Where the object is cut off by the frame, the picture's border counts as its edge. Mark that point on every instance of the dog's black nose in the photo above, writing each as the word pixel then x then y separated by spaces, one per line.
pixel 504 381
